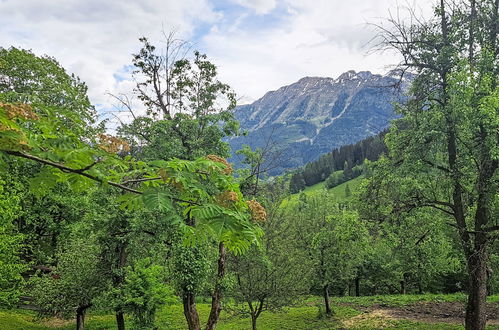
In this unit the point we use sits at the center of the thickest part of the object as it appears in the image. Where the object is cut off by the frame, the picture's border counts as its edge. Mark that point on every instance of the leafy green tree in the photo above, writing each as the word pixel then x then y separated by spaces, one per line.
pixel 144 292
pixel 273 275
pixel 334 239
pixel 189 110
pixel 41 81
pixel 348 192
pixel 443 151
pixel 338 249
pixel 73 285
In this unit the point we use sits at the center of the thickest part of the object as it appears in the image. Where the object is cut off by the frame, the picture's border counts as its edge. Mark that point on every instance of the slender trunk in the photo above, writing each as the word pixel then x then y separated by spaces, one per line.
pixel 190 311
pixel 326 299
pixel 403 284
pixel 80 319
pixel 216 298
pixel 357 286
pixel 118 280
pixel 120 320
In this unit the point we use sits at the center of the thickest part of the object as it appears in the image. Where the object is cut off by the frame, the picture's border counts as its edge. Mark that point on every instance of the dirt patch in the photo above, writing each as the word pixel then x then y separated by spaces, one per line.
pixel 56 322
pixel 438 312
pixel 377 318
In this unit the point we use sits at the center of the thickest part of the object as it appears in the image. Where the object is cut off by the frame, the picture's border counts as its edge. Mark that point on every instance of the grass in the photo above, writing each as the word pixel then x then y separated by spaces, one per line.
pixel 337 192
pixel 347 315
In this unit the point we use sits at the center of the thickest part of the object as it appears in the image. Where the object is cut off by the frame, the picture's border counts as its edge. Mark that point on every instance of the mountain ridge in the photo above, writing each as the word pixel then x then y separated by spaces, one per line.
pixel 317 114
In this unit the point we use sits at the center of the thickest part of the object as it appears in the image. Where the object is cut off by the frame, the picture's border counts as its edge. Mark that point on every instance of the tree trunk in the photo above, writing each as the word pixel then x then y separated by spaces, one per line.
pixel 477 296
pixel 326 299
pixel 120 320
pixel 190 311
pixel 216 298
pixel 253 322
pixel 80 319
pixel 357 286
pixel 403 284
pixel 118 279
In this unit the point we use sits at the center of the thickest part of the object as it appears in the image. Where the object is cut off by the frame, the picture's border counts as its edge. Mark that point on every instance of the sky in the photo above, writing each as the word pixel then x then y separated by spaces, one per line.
pixel 257 45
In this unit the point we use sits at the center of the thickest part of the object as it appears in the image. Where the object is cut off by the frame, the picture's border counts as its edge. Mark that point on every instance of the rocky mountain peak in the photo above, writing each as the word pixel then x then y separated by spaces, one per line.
pixel 317 114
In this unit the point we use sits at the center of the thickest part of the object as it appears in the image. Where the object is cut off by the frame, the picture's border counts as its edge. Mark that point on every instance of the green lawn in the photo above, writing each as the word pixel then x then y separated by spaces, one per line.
pixel 347 315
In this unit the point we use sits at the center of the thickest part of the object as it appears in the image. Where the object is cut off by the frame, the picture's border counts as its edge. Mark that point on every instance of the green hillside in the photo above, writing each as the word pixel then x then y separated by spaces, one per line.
pixel 337 192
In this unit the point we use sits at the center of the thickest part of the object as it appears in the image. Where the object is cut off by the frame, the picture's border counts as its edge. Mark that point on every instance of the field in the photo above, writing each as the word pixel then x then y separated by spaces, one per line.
pixel 337 192
pixel 374 312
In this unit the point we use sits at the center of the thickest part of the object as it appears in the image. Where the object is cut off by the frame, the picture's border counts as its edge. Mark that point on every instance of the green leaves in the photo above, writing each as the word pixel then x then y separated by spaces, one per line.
pixel 158 199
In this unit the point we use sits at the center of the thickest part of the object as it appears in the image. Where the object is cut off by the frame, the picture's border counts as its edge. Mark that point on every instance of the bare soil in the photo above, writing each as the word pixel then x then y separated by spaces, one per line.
pixel 435 312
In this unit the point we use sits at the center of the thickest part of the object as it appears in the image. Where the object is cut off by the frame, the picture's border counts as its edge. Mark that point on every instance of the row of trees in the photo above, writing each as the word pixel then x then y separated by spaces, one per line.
pixel 442 154
pixel 166 205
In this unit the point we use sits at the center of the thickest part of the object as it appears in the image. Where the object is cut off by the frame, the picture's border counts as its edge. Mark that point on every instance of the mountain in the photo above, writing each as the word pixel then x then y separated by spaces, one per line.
pixel 315 115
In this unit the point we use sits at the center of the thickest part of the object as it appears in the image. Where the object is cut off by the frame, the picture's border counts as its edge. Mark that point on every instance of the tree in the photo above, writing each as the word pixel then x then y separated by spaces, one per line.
pixel 144 291
pixel 270 276
pixel 445 146
pixel 296 183
pixel 348 192
pixel 338 249
pixel 201 191
pixel 72 286
pixel 195 111
pixel 193 107
pixel 334 239
pixel 41 81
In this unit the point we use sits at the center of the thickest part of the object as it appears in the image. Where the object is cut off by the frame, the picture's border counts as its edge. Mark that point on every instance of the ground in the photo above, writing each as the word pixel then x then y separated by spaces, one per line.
pixel 374 312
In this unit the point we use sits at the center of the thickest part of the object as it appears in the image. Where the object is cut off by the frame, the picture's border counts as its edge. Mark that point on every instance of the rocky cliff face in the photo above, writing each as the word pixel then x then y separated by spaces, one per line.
pixel 315 115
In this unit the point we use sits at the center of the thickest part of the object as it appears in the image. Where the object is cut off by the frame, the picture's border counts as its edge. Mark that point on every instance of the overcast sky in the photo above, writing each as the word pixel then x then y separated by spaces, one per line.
pixel 258 45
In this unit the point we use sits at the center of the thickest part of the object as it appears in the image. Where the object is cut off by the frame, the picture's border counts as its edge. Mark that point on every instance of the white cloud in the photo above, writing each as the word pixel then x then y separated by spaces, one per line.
pixel 317 38
pixel 267 45
pixel 94 39
pixel 259 6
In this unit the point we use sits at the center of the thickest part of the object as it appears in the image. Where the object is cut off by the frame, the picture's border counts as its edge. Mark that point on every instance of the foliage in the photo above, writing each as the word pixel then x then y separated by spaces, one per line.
pixel 11 265
pixel 443 151
pixel 43 83
pixel 194 107
pixel 269 277
pixel 74 283
pixel 145 292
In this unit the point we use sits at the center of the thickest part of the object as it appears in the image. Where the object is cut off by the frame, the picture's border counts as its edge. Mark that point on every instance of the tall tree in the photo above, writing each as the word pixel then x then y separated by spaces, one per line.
pixel 189 111
pixel 445 146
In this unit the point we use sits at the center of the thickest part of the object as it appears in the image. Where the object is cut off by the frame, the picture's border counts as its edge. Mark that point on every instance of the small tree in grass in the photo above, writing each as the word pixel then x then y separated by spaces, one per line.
pixel 271 276
pixel 70 289
pixel 144 292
